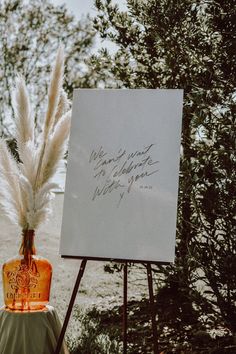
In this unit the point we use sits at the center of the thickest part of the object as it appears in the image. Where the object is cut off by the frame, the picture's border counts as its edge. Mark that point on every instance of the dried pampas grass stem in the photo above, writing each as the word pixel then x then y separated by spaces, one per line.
pixel 23 119
pixel 54 91
pixel 55 148
pixel 10 193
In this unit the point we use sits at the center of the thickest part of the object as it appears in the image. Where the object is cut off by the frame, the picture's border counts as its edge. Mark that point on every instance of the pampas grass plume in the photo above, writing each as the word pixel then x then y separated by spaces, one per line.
pixel 23 119
pixel 26 188
pixel 10 193
pixel 55 148
pixel 54 91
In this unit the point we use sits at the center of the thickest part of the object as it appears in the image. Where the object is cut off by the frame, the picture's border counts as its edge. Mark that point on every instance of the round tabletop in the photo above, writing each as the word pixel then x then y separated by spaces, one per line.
pixel 30 332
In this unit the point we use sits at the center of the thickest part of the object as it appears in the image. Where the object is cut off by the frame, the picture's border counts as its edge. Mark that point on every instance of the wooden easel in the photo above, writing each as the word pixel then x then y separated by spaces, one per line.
pixel 125 288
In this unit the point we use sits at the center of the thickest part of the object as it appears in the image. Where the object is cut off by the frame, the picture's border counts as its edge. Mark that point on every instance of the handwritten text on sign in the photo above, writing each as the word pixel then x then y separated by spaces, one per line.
pixel 122 177
pixel 121 171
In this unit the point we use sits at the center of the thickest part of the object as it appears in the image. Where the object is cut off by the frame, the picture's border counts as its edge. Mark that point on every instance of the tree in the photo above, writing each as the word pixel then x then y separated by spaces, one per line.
pixel 30 33
pixel 188 44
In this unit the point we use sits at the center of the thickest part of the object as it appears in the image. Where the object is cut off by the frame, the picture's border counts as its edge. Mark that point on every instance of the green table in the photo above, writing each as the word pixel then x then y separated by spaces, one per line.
pixel 29 332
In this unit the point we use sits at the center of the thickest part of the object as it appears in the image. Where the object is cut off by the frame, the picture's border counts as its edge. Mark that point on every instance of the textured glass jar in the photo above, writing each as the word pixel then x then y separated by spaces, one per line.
pixel 27 278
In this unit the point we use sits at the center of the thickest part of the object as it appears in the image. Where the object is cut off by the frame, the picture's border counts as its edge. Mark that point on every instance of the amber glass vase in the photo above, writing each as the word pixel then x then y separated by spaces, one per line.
pixel 27 278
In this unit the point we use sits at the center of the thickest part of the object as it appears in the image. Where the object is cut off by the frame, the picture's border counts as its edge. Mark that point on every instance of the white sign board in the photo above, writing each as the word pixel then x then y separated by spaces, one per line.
pixel 122 180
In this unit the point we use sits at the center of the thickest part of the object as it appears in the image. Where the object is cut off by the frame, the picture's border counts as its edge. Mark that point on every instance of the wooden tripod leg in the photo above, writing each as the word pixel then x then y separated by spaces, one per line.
pixel 125 309
pixel 152 307
pixel 70 307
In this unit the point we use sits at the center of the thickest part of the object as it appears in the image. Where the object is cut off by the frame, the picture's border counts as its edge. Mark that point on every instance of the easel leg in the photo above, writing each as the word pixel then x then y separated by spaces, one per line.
pixel 125 309
pixel 152 307
pixel 70 307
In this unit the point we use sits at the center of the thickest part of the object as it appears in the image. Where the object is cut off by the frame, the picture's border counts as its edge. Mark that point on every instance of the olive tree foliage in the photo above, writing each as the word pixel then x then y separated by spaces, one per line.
pixel 30 34
pixel 188 44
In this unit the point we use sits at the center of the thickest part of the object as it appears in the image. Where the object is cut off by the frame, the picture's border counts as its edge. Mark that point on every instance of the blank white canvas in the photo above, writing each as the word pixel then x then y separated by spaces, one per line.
pixel 122 179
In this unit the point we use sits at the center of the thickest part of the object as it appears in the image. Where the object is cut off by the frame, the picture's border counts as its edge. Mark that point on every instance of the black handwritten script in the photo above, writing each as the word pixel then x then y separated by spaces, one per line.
pixel 122 171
